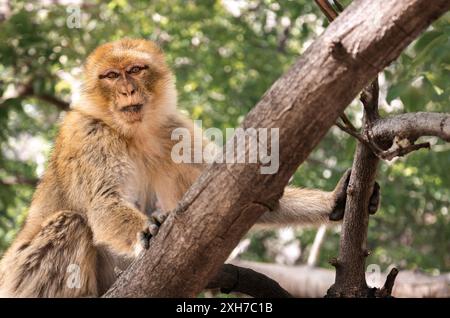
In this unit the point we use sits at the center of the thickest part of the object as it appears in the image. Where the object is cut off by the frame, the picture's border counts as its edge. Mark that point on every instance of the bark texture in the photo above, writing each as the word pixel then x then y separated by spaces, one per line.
pixel 304 103
pixel 351 264
pixel 412 126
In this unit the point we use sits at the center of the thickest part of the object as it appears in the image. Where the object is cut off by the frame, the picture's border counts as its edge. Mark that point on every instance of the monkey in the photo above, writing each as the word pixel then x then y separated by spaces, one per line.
pixel 94 208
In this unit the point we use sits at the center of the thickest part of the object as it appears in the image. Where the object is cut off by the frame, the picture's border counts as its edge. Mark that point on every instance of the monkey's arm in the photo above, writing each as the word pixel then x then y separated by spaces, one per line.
pixel 118 225
pixel 309 206
pixel 96 172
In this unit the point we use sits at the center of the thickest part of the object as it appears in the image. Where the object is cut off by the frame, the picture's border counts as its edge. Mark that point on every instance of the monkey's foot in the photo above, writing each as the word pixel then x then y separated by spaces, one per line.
pixel 340 194
pixel 151 228
pixel 374 201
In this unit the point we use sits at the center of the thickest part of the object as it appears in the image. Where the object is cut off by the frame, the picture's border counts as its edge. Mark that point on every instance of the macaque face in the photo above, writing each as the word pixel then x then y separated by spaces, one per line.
pixel 129 79
pixel 129 87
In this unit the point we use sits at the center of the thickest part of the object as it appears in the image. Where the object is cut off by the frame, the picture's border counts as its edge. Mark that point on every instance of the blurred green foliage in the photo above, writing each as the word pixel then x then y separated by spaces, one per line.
pixel 225 54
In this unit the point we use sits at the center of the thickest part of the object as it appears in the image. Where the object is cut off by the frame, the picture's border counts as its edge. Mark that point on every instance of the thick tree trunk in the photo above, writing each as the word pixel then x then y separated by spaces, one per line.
pixel 225 202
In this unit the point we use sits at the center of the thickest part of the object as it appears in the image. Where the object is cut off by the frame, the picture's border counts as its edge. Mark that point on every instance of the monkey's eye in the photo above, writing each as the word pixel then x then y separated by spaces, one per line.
pixel 112 75
pixel 135 69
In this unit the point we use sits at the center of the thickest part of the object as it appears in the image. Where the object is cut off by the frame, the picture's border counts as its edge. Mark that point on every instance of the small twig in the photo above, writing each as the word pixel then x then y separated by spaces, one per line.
pixel 351 132
pixel 386 290
pixel 347 122
pixel 396 150
pixel 366 141
pixel 402 151
pixel 327 9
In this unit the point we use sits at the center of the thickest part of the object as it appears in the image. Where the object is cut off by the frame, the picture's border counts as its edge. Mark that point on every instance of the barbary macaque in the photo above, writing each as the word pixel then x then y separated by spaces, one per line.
pixel 94 209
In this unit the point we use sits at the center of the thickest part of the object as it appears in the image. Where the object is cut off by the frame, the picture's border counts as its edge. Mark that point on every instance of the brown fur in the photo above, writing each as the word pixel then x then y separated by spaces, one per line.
pixel 105 172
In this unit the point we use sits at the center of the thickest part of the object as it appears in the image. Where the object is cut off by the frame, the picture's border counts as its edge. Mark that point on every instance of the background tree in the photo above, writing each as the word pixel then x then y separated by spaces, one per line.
pixel 225 54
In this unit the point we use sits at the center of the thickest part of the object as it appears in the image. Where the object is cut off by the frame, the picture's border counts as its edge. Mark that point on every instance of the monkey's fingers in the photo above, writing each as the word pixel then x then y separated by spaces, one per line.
pixel 374 201
pixel 144 240
pixel 337 214
pixel 149 231
pixel 159 216
pixel 341 187
pixel 152 228
pixel 340 197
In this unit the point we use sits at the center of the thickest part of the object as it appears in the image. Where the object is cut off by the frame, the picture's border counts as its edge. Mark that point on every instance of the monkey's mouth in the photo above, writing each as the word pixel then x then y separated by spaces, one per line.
pixel 135 108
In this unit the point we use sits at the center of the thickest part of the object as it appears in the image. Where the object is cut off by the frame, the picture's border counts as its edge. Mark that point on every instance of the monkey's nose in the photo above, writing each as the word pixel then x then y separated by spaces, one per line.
pixel 128 92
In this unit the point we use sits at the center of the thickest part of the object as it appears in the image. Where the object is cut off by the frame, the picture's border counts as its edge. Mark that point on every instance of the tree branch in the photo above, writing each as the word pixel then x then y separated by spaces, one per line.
pixel 351 263
pixel 26 90
pixel 233 278
pixel 395 136
pixel 327 9
pixel 16 180
pixel 412 126
pixel 227 199
pixel 59 103
pixel 307 281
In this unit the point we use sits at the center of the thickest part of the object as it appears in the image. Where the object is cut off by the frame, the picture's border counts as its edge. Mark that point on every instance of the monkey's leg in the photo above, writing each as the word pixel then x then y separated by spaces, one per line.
pixel 60 261
pixel 306 206
pixel 300 206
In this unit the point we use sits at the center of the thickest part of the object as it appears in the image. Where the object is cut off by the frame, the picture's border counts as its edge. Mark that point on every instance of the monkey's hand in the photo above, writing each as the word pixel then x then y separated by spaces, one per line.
pixel 340 197
pixel 150 230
